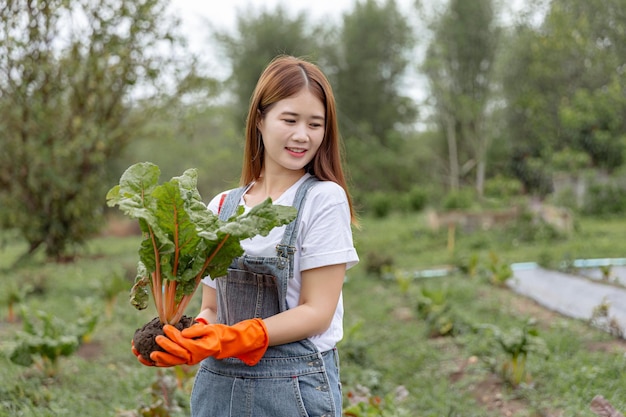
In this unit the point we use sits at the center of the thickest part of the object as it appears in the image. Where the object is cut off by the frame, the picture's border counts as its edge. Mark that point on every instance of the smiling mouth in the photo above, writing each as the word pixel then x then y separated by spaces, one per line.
pixel 294 150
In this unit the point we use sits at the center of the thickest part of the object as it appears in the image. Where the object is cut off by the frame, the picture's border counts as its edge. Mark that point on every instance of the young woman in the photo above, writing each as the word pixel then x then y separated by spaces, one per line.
pixel 267 331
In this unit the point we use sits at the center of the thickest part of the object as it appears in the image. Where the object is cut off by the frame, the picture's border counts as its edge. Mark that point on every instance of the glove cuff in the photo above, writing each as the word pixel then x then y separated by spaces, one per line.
pixel 258 344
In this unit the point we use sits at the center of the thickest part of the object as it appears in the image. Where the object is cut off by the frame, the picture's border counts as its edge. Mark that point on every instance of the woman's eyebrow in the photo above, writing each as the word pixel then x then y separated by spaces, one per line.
pixel 290 113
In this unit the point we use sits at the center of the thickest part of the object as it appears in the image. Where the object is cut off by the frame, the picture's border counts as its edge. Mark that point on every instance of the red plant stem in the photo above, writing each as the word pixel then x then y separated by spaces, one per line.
pixel 176 245
pixel 170 286
pixel 180 309
pixel 210 258
pixel 157 284
pixel 170 300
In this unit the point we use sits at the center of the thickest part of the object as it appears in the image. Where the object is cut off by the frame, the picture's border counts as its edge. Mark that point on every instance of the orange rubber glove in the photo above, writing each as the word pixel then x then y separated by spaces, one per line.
pixel 246 340
pixel 139 357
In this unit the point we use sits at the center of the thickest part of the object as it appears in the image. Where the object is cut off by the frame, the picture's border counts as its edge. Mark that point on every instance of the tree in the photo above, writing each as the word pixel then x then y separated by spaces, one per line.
pixel 562 83
pixel 367 58
pixel 594 123
pixel 261 35
pixel 459 66
pixel 372 55
pixel 67 74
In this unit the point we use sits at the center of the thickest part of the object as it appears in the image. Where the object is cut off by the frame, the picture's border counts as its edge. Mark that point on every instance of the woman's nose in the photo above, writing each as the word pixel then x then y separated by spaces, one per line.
pixel 301 133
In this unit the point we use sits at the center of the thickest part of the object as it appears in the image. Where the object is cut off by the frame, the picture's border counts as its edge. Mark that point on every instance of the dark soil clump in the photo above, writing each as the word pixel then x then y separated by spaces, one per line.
pixel 144 338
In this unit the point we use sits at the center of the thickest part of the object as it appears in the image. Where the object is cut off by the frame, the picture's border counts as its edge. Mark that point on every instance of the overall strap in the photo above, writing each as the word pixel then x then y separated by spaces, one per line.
pixel 231 202
pixel 288 245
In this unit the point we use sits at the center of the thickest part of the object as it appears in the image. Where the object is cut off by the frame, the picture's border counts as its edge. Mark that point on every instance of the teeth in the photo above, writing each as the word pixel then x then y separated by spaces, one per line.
pixel 295 150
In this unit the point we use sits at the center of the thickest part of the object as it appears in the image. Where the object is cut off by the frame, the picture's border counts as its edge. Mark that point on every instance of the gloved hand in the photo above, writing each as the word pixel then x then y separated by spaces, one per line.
pixel 140 358
pixel 246 340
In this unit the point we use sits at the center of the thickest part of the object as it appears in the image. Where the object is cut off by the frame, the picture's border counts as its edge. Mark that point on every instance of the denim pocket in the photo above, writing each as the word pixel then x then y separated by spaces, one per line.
pixel 218 395
pixel 211 394
pixel 315 396
pixel 244 295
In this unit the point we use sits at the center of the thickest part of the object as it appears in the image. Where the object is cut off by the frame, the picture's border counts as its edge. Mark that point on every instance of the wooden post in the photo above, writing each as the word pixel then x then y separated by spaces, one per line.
pixel 451 236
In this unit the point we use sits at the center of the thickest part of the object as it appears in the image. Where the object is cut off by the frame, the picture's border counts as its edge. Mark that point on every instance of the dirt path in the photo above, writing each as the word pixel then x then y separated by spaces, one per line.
pixel 572 295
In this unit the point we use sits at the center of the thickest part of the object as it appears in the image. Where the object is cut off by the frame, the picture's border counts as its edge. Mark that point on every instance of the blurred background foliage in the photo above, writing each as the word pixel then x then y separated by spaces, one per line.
pixel 529 105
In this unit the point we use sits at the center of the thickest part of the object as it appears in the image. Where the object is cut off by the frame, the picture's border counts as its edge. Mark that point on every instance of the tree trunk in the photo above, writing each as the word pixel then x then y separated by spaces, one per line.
pixel 453 157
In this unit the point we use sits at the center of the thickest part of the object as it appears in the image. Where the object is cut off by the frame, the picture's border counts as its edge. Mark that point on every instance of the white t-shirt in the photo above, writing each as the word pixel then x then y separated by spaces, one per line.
pixel 324 238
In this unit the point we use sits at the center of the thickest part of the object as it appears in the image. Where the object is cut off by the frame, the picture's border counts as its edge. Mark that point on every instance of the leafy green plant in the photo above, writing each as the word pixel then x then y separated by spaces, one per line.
pixel 43 341
pixel 89 313
pixel 606 272
pixel 499 271
pixel 601 318
pixel 163 397
pixel 434 308
pixel 404 280
pixel 110 288
pixel 183 241
pixel 13 295
pixel 468 265
pixel 517 344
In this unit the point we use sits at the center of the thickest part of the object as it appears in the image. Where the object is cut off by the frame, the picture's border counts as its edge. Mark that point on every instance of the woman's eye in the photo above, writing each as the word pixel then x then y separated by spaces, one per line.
pixel 316 125
pixel 289 120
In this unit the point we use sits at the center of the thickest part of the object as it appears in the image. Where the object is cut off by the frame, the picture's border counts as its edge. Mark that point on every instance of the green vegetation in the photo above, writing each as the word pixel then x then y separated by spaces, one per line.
pixel 183 241
pixel 64 94
pixel 498 121
pixel 43 342
pixel 86 97
pixel 394 363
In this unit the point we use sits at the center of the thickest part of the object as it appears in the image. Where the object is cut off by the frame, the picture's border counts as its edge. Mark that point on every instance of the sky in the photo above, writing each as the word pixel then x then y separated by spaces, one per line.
pixel 195 13
pixel 224 11
pixel 197 16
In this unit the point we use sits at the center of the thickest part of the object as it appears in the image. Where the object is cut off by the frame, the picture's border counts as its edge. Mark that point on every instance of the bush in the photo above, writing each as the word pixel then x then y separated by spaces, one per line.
pixel 565 198
pixel 377 263
pixel 605 200
pixel 527 229
pixel 459 200
pixel 503 187
pixel 417 198
pixel 379 204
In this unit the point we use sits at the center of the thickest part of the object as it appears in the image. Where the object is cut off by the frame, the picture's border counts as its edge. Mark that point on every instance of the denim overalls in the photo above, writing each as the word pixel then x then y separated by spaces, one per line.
pixel 291 380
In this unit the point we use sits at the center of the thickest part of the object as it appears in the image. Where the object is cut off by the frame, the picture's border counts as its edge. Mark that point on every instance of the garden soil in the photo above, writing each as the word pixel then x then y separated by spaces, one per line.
pixel 144 338
pixel 576 295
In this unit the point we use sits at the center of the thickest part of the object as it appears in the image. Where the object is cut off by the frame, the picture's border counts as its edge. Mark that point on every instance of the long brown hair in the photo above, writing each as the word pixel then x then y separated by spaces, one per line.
pixel 284 77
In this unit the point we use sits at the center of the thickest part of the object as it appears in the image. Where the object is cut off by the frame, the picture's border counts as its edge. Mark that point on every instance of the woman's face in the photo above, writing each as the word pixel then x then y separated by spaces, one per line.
pixel 292 132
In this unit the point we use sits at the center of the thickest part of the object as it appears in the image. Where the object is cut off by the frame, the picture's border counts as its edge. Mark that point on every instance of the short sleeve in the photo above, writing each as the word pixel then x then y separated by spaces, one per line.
pixel 325 234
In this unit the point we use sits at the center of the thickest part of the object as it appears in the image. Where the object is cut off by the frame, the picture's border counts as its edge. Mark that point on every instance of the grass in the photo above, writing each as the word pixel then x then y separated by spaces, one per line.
pixel 583 361
pixel 387 343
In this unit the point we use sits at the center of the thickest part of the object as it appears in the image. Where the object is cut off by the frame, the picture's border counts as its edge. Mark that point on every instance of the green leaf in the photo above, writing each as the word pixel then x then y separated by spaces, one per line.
pixel 181 234
pixel 136 184
pixel 21 355
pixel 140 293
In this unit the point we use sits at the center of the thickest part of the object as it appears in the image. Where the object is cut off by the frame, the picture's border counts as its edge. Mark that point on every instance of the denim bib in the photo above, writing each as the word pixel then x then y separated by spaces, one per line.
pixel 292 379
